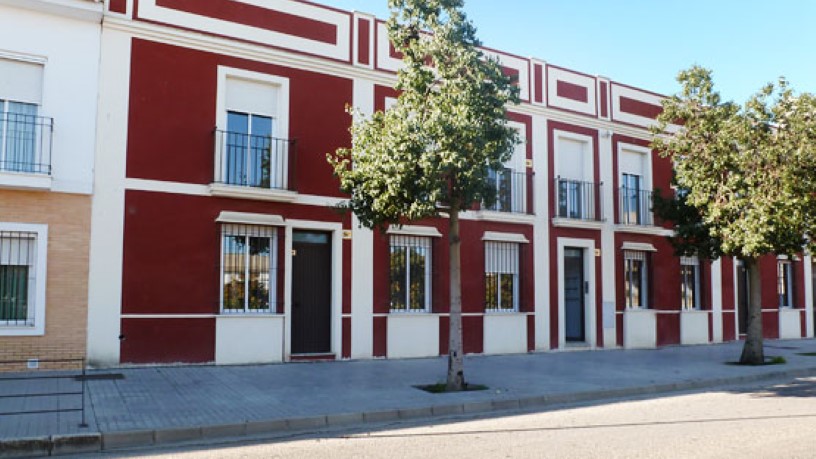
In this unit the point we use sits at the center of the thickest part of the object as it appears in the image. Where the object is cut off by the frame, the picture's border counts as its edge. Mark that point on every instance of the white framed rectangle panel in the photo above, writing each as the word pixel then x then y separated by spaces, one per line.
pixel 412 335
pixel 522 66
pixel 340 50
pixel 590 306
pixel 570 80
pixel 633 159
pixel 372 24
pixel 40 278
pixel 384 60
pixel 336 230
pixel 247 339
pixel 583 170
pixel 505 333
pixel 632 106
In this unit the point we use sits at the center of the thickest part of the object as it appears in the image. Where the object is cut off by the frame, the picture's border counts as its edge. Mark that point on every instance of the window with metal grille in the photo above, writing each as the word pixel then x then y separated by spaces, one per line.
pixel 18 255
pixel 635 279
pixel 249 269
pixel 501 276
pixel 784 283
pixel 410 273
pixel 690 283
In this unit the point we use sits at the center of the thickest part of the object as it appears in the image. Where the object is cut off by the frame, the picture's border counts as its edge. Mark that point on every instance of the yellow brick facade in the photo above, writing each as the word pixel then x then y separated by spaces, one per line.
pixel 68 217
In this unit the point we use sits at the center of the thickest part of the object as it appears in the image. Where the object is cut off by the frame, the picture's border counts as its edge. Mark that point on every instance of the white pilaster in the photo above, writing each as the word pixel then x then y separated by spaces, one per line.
pixel 541 234
pixel 716 301
pixel 607 238
pixel 108 208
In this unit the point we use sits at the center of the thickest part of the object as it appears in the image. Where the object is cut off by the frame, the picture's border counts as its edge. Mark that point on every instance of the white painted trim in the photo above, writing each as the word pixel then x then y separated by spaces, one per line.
pixel 108 204
pixel 503 217
pixel 23 181
pixel 579 224
pixel 590 320
pixel 541 235
pixel 717 301
pixel 40 279
pixel 355 45
pixel 336 230
pixel 643 229
pixel 638 246
pixel 149 9
pixel 808 274
pixel 414 230
pixel 504 237
pixel 248 192
pixel 554 74
pixel 80 10
pixel 161 186
pixel 249 218
pixel 172 316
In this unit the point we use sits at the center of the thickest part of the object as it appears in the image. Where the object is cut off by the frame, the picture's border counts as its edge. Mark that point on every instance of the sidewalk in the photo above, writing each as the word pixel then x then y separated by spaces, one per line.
pixel 159 405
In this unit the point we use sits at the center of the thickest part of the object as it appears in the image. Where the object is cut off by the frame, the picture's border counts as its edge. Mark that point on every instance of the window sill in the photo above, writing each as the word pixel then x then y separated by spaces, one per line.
pixel 25 181
pixel 643 229
pixel 249 315
pixel 246 192
pixel 504 217
pixel 502 312
pixel 400 312
pixel 560 222
pixel 18 330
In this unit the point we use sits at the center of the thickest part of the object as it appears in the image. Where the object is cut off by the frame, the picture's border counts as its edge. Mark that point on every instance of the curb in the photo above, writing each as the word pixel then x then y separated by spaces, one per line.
pixel 96 442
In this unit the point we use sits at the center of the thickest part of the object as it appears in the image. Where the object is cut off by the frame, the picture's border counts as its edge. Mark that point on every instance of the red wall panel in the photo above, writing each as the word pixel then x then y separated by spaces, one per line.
pixel 668 329
pixel 168 340
pixel 172 116
pixel 172 248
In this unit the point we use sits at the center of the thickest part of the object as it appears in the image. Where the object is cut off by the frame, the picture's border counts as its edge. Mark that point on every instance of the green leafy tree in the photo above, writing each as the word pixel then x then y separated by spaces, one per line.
pixel 431 153
pixel 747 175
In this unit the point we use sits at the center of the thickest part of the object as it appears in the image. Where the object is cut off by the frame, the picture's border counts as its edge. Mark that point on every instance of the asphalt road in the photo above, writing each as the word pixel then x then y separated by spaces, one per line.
pixel 768 421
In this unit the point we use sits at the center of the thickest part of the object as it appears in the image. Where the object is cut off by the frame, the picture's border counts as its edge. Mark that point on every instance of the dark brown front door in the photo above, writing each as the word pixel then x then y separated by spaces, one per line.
pixel 311 292
pixel 574 294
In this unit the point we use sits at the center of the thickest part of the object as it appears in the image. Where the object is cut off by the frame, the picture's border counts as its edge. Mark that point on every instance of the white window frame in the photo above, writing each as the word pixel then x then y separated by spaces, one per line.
pixel 645 175
pixel 694 263
pixel 241 230
pixel 513 250
pixel 279 113
pixel 428 244
pixel 784 276
pixel 643 257
pixel 37 293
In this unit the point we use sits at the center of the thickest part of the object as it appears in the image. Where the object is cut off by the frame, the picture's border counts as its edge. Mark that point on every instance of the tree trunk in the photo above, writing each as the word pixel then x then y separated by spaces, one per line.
pixel 456 364
pixel 752 351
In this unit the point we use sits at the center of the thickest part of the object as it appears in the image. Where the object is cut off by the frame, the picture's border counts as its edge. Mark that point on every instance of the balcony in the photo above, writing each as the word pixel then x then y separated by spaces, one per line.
pixel 255 167
pixel 512 192
pixel 577 200
pixel 635 207
pixel 25 144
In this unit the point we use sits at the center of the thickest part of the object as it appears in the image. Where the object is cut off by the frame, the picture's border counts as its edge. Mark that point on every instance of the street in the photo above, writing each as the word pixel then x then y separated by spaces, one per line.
pixel 772 420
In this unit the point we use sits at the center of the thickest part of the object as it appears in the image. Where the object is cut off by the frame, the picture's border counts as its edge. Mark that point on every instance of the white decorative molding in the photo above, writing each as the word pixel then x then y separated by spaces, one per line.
pixel 246 192
pixel 504 237
pixel 414 230
pixel 560 222
pixel 250 218
pixel 23 181
pixel 639 246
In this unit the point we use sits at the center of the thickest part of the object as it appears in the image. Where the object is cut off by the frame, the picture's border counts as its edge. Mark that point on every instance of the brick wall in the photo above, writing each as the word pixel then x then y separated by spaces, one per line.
pixel 68 217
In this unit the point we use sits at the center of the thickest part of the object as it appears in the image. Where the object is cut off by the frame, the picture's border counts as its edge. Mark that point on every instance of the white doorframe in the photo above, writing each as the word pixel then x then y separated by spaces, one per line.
pixel 589 298
pixel 336 230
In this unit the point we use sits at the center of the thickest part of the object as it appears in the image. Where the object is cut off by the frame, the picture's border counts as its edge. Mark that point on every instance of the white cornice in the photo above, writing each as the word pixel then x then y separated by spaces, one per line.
pixel 87 10
pixel 231 47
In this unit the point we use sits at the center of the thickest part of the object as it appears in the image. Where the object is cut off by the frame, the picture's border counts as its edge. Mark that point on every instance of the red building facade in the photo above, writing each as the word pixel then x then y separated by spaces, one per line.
pixel 216 236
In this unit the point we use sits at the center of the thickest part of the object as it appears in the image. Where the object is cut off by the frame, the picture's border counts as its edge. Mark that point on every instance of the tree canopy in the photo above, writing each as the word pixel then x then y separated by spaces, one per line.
pixel 434 150
pixel 745 176
pixel 447 129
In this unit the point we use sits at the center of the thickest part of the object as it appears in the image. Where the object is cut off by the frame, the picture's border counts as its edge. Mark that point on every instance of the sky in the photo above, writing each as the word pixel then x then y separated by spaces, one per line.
pixel 645 43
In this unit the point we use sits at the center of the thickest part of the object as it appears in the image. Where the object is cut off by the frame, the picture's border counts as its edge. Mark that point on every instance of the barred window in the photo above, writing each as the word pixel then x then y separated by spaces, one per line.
pixel 690 283
pixel 784 279
pixel 249 269
pixel 18 278
pixel 635 279
pixel 501 276
pixel 410 273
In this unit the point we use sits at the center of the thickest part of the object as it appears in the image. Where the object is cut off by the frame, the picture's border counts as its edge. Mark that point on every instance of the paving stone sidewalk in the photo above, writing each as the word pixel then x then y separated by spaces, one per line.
pixel 155 405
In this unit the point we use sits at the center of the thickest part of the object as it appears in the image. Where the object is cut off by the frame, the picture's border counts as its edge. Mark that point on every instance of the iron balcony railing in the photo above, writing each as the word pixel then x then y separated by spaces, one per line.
pixel 25 143
pixel 635 207
pixel 578 200
pixel 254 161
pixel 513 191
